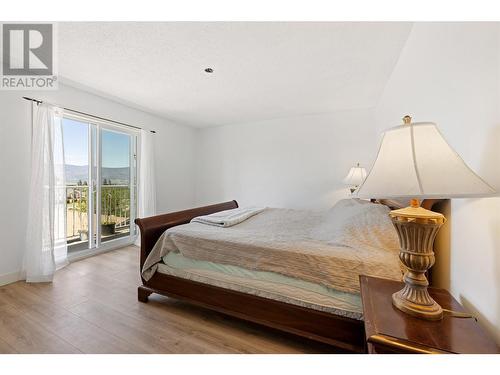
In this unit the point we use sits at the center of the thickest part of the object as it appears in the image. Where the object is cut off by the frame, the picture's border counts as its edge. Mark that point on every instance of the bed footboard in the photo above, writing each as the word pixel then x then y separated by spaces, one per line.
pixel 152 227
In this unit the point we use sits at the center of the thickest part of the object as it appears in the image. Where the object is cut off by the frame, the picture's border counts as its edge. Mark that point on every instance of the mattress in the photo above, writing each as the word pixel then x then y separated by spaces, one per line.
pixel 263 284
pixel 299 244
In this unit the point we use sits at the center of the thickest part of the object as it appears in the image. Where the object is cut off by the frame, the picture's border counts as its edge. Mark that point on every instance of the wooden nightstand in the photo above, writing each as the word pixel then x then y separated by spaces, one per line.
pixel 389 330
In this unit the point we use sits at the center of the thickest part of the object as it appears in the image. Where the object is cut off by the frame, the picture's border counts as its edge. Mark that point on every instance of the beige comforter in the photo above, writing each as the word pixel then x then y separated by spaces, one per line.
pixel 295 243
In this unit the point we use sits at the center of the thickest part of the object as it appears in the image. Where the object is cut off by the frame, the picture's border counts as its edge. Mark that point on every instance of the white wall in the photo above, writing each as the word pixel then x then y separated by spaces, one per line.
pixel 288 162
pixel 174 152
pixel 449 74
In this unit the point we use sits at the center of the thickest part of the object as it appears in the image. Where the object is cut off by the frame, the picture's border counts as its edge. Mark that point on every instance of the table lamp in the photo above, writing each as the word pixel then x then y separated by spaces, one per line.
pixel 415 162
pixel 355 177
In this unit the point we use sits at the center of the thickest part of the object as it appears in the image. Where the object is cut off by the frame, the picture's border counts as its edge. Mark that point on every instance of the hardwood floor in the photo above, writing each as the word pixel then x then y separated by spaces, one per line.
pixel 78 314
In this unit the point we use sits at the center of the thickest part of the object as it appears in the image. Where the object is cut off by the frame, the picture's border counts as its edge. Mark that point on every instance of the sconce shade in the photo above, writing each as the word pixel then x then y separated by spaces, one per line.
pixel 415 161
pixel 355 176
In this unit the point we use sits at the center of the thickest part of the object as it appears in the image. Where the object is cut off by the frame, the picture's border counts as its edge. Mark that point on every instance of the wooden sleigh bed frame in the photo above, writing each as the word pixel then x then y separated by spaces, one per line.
pixel 341 332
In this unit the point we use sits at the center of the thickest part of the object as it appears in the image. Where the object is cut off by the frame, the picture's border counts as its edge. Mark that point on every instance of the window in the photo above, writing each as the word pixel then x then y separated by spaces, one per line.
pixel 101 182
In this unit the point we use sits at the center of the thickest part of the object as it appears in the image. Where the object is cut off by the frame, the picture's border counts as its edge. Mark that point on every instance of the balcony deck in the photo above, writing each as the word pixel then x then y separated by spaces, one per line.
pixel 115 214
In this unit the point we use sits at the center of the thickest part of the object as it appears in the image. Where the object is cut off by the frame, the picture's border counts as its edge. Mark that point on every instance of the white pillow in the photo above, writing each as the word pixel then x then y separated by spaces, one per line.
pixel 360 224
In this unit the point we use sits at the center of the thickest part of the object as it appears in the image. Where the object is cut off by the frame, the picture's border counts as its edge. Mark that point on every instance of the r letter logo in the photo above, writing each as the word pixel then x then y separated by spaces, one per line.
pixel 28 56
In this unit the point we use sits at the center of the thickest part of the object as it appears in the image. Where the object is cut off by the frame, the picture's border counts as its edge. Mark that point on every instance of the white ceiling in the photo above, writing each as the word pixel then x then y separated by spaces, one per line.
pixel 261 70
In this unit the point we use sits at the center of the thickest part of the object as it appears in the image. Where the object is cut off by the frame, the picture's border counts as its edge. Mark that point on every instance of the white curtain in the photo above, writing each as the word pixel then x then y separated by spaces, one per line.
pixel 46 249
pixel 147 182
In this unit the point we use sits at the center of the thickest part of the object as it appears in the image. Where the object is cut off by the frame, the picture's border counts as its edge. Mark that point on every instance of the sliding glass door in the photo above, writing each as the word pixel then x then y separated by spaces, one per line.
pixel 77 167
pixel 100 166
pixel 116 184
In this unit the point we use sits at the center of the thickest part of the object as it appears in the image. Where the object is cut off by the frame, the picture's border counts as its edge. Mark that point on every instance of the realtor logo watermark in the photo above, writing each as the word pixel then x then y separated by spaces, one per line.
pixel 28 56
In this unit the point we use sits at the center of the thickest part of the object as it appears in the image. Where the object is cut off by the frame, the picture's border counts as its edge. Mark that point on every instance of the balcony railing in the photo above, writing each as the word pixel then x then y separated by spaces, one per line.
pixel 115 212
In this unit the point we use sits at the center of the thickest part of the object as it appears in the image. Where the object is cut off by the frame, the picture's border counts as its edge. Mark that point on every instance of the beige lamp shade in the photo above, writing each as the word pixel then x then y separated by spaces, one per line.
pixel 355 176
pixel 415 161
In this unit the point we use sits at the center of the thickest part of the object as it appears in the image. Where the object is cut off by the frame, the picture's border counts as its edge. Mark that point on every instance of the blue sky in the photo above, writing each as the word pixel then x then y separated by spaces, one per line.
pixel 115 146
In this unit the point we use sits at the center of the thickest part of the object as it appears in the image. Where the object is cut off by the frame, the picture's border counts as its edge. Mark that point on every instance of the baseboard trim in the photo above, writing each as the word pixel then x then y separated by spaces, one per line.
pixel 8 278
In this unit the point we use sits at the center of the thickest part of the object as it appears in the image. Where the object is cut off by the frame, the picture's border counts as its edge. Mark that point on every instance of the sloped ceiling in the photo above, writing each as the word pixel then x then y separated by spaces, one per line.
pixel 261 70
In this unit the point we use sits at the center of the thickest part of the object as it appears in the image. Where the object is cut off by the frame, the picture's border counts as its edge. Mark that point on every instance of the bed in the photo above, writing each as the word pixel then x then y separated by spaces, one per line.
pixel 239 270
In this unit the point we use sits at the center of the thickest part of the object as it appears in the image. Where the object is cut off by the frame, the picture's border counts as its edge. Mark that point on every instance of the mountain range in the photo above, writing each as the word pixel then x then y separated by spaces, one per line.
pixel 114 176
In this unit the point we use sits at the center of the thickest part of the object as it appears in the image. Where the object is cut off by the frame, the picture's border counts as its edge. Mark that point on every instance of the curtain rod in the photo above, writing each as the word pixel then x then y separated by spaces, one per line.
pixel 88 114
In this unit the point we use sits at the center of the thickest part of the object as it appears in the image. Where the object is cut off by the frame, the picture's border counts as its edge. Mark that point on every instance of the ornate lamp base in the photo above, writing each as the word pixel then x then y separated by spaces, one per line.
pixel 417 228
pixel 417 302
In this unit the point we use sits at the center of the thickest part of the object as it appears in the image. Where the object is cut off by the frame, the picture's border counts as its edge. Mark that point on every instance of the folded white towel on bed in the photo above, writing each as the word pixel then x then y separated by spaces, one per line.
pixel 228 218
